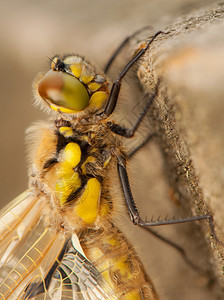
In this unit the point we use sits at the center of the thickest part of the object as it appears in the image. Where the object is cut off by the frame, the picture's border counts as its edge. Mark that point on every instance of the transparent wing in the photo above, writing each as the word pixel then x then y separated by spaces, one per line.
pixel 73 278
pixel 27 245
pixel 38 263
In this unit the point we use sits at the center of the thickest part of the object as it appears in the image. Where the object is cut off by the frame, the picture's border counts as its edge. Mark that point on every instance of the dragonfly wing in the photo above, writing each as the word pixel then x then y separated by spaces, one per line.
pixel 36 262
pixel 12 223
pixel 27 245
pixel 74 277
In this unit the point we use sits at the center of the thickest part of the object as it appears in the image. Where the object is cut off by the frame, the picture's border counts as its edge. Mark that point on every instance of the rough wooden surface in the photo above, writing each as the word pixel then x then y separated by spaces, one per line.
pixel 187 118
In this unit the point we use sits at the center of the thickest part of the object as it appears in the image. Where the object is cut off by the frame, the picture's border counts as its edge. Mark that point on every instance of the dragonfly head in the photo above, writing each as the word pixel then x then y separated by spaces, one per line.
pixel 72 86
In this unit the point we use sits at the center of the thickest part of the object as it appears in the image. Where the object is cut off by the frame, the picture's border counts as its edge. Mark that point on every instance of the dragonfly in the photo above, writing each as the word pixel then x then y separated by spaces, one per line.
pixel 58 239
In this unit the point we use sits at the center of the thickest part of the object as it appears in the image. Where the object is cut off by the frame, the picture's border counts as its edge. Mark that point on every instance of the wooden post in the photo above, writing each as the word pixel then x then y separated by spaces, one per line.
pixel 188 119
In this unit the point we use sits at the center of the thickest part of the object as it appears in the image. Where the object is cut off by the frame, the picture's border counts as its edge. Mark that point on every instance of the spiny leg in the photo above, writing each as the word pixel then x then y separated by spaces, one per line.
pixel 114 93
pixel 141 145
pixel 177 247
pixel 128 133
pixel 133 211
pixel 136 219
pixel 120 47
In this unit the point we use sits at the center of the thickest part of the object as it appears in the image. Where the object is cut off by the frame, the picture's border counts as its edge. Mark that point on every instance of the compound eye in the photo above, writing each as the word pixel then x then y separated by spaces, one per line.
pixel 63 91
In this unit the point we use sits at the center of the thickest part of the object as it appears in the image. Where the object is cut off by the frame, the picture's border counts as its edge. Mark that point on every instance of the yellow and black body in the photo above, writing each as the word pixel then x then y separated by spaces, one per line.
pixel 58 239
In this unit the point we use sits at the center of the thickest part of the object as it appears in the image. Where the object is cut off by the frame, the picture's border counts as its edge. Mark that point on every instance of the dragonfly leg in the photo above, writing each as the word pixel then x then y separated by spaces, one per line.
pixel 177 247
pixel 114 93
pixel 128 133
pixel 134 213
pixel 121 47
pixel 141 145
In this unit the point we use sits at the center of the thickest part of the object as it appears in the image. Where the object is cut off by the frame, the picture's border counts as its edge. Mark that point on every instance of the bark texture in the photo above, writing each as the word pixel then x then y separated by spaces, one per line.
pixel 187 118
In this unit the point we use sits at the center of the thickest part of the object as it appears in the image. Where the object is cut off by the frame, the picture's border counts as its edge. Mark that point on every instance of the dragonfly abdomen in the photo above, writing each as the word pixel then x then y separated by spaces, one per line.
pixel 110 252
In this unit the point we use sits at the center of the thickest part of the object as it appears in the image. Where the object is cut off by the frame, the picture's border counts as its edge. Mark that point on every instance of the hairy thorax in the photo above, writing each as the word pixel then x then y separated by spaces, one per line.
pixel 70 170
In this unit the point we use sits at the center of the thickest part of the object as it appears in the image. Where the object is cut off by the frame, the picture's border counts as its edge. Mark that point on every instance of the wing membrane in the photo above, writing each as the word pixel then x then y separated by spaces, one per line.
pixel 25 244
pixel 77 276
pixel 10 220
pixel 36 262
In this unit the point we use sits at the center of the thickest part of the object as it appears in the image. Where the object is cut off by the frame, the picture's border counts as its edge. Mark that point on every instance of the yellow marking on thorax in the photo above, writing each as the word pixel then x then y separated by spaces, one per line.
pixel 89 159
pixel 71 155
pixel 88 205
pixel 68 180
pixel 66 131
pixel 67 184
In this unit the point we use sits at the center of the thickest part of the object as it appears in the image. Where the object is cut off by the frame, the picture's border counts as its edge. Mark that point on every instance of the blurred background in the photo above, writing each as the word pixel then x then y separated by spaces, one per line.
pixel 32 31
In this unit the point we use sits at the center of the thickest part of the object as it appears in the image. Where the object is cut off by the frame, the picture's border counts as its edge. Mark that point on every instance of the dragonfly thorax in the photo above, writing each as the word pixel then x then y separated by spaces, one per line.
pixel 72 165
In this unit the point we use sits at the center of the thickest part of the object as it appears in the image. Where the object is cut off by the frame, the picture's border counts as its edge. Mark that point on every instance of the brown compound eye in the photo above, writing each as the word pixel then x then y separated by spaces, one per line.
pixel 63 91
